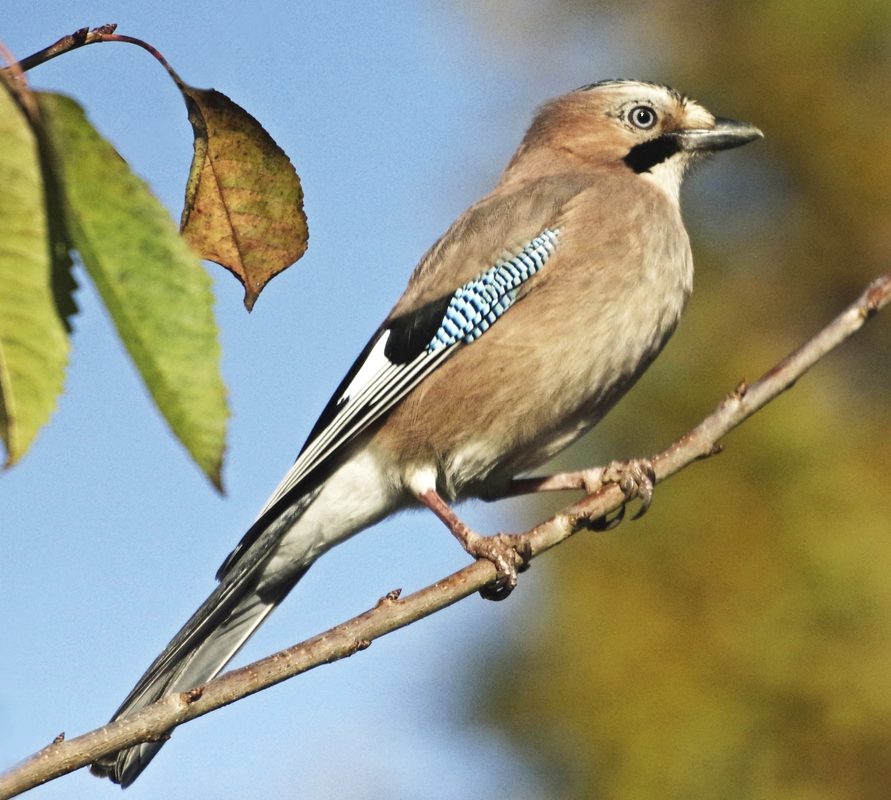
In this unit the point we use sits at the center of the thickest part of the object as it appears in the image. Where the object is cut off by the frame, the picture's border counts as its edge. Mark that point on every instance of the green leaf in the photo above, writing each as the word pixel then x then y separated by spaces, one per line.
pixel 33 343
pixel 62 282
pixel 153 285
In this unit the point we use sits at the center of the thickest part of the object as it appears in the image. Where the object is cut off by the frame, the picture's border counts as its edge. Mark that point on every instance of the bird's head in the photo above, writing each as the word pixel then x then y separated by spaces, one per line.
pixel 647 129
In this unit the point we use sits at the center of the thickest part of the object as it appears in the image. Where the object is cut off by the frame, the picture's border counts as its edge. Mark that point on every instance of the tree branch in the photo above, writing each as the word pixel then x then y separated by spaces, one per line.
pixel 66 44
pixel 81 38
pixel 392 613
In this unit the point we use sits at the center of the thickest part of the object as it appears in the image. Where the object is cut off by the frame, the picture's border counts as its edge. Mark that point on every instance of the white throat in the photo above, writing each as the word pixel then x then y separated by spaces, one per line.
pixel 668 175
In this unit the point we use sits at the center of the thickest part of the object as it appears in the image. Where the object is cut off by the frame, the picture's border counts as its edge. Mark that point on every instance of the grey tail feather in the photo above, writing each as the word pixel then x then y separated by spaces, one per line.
pixel 207 642
pixel 189 669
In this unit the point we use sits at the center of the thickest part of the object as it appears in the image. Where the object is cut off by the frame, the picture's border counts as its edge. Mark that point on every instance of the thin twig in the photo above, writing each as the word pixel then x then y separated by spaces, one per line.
pixel 81 38
pixel 66 44
pixel 392 613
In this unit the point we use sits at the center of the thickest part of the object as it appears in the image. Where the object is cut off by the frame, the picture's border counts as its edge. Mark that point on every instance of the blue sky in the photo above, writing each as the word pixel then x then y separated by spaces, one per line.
pixel 397 115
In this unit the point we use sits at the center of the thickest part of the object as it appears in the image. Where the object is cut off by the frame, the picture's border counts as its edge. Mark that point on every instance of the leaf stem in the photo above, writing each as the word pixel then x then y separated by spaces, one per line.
pixel 116 37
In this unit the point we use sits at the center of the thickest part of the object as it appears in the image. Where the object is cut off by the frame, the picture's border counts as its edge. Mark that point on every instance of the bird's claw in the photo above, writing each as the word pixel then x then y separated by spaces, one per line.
pixel 635 478
pixel 510 554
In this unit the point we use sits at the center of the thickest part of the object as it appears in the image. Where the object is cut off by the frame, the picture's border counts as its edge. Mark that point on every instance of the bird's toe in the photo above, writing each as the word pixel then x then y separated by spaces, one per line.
pixel 636 478
pixel 510 555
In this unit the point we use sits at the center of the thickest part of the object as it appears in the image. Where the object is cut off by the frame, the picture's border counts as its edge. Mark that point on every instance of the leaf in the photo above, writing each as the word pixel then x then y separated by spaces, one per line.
pixel 62 281
pixel 33 343
pixel 153 285
pixel 244 203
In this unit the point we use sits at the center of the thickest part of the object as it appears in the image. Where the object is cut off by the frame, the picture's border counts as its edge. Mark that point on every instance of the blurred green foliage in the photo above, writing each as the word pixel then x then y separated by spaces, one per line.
pixel 736 642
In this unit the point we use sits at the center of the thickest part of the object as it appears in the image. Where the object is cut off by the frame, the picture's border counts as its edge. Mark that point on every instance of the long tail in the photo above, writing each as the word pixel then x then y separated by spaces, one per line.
pixel 209 640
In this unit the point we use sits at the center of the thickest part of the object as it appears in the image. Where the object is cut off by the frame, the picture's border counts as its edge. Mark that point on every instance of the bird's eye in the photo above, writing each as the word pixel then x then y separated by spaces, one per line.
pixel 642 117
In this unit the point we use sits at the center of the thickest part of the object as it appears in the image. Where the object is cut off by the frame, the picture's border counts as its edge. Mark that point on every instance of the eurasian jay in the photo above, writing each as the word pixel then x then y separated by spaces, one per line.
pixel 520 328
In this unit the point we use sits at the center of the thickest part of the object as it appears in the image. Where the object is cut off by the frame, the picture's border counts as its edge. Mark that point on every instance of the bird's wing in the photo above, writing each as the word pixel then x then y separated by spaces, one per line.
pixel 414 341
pixel 406 349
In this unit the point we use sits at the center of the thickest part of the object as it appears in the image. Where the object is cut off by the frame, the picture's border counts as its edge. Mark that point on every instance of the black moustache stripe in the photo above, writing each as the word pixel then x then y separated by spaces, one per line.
pixel 646 155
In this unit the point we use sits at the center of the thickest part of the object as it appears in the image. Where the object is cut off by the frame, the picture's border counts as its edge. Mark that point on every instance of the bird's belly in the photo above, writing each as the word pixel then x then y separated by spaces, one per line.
pixel 548 370
pixel 572 392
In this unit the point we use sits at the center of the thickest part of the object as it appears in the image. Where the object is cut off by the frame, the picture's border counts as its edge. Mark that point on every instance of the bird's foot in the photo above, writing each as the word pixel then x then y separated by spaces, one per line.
pixel 510 554
pixel 635 478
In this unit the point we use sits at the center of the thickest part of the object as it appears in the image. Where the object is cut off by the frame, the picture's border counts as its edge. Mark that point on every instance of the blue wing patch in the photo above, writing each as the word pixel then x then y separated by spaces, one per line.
pixel 478 303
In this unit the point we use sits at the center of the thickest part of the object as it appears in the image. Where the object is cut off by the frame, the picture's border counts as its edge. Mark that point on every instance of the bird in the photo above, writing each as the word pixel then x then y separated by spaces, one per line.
pixel 519 329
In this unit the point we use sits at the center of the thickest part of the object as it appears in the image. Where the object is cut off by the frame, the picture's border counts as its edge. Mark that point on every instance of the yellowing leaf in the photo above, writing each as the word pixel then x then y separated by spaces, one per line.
pixel 244 203
pixel 33 344
pixel 153 285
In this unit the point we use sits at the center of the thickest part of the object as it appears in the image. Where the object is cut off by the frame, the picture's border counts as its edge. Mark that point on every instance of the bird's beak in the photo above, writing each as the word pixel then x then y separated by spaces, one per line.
pixel 727 134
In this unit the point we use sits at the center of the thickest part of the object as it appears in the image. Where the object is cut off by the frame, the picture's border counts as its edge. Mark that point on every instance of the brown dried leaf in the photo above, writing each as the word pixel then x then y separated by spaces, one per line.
pixel 244 203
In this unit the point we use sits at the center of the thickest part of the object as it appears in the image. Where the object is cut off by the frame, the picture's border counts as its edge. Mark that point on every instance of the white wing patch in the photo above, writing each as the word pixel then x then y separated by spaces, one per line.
pixel 376 388
pixel 372 367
